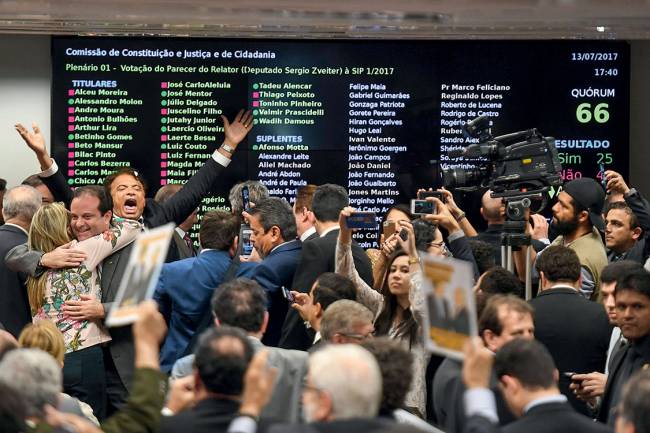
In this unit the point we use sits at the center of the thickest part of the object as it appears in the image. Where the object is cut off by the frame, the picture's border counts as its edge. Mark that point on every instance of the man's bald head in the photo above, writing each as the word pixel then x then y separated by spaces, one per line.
pixel 492 209
pixel 19 205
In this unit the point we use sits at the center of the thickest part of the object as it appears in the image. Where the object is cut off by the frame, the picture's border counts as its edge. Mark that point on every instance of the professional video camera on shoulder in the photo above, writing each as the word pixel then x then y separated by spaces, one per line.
pixel 521 164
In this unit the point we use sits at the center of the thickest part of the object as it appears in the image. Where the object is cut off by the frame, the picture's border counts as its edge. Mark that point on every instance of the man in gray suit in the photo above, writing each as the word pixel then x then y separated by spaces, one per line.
pixel 242 303
pixel 19 206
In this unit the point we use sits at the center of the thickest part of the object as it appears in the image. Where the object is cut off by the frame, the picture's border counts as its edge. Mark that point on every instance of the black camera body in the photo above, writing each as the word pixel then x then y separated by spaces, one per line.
pixel 521 164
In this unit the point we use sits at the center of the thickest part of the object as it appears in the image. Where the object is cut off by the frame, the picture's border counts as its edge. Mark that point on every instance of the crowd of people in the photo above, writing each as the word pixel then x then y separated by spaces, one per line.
pixel 310 332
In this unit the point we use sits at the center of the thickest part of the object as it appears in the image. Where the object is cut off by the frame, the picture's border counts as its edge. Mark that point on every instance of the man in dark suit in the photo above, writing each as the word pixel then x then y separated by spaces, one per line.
pixel 528 378
pixel 504 318
pixel 222 356
pixel 318 257
pixel 185 287
pixel 274 238
pixel 182 246
pixel 574 330
pixel 627 222
pixel 633 316
pixel 18 207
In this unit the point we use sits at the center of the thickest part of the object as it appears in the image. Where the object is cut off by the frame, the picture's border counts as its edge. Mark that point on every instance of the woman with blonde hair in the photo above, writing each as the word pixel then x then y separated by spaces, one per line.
pixel 45 336
pixel 83 371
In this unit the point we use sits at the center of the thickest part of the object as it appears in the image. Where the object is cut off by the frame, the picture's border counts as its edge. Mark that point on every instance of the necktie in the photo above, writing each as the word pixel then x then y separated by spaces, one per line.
pixel 190 245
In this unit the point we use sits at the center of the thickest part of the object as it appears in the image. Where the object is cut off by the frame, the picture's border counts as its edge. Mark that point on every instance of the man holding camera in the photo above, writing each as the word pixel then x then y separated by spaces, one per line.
pixel 577 219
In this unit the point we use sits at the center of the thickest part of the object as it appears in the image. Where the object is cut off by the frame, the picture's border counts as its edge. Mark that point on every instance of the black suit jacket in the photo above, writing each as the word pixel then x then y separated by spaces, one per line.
pixel 360 425
pixel 14 304
pixel 615 382
pixel 575 331
pixel 318 256
pixel 544 418
pixel 448 390
pixel 211 415
pixel 277 270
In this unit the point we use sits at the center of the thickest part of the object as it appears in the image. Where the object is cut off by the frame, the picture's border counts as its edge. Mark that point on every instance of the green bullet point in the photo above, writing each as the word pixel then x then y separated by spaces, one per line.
pixel 163 103
pixel 255 112
pixel 256 86
pixel 163 120
pixel 70 181
pixel 71 101
pixel 163 93
pixel 255 121
pixel 163 146
pixel 163 129
pixel 70 136
pixel 254 146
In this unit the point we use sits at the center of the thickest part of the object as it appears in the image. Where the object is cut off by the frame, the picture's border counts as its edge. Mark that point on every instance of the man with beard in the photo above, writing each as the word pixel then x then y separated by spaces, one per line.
pixel 577 220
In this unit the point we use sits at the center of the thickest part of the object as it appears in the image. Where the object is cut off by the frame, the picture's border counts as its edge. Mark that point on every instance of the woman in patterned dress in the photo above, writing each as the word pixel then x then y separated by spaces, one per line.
pixel 83 372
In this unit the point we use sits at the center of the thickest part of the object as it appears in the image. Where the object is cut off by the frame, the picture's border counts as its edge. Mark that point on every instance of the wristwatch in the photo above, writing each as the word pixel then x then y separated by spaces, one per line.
pixel 227 148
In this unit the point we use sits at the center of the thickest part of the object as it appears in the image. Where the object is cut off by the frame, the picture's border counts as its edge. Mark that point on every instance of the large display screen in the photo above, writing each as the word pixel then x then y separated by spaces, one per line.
pixel 378 117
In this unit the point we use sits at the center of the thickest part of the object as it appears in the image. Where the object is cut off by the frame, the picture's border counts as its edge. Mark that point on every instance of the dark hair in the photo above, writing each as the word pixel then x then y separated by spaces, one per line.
pixel 275 211
pixel 240 303
pixel 12 411
pixel 108 181
pixel 221 358
pixel 490 316
pixel 483 255
pixel 408 327
pixel 635 402
pixel 331 287
pixel 105 200
pixel 304 197
pixel 400 207
pixel 498 280
pixel 559 263
pixel 34 180
pixel 621 205
pixel 218 230
pixel 425 233
pixel 396 372
pixel 328 201
pixel 527 361
pixel 616 270
pixel 166 192
pixel 637 281
pixel 3 184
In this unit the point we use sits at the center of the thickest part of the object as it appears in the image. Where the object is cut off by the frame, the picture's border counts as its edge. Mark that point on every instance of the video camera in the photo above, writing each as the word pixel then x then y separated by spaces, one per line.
pixel 520 165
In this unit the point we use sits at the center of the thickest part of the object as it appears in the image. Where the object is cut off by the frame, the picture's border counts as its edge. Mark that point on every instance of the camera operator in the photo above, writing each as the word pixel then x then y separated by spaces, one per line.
pixel 577 219
pixel 493 212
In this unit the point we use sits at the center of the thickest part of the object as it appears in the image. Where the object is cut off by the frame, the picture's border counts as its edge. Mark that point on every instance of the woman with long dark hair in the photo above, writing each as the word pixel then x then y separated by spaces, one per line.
pixel 398 305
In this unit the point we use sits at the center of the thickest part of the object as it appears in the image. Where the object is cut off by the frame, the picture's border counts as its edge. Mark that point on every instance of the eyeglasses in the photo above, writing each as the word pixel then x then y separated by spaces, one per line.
pixel 442 247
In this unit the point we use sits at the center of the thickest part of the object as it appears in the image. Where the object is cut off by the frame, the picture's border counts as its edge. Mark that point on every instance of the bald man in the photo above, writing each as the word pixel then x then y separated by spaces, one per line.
pixel 493 211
